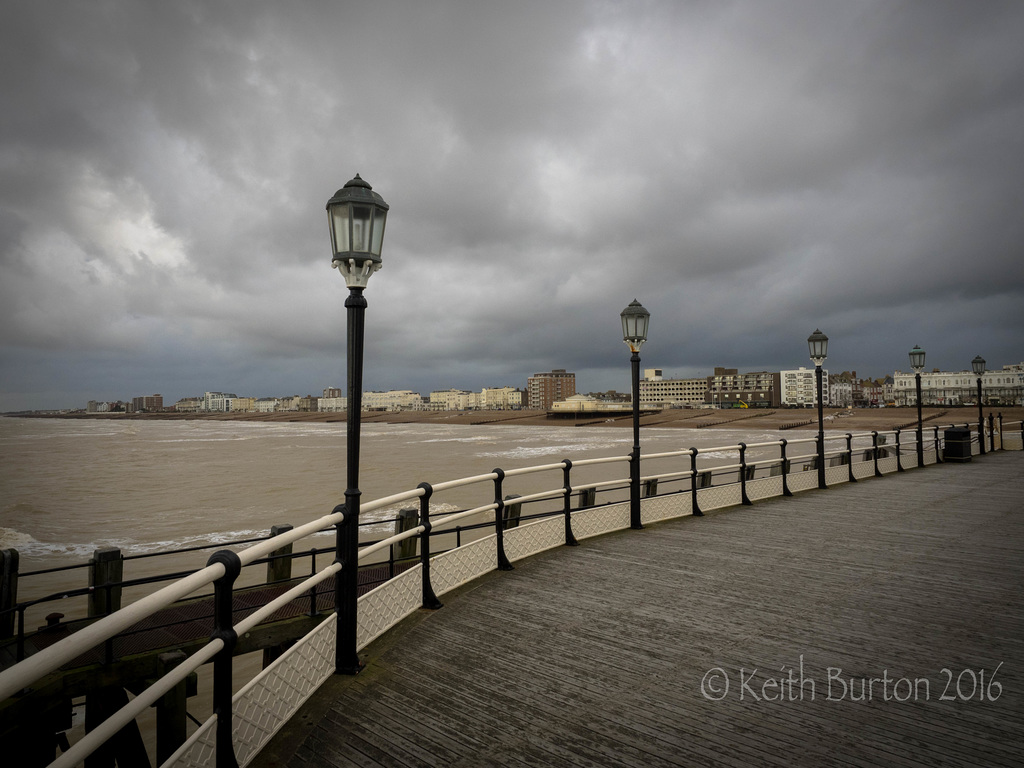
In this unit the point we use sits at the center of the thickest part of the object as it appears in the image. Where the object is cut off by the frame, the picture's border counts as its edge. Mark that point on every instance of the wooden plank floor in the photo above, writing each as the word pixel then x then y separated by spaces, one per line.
pixel 617 652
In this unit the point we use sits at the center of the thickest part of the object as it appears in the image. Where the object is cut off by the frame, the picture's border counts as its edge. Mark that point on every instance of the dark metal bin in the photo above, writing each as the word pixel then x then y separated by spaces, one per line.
pixel 957 444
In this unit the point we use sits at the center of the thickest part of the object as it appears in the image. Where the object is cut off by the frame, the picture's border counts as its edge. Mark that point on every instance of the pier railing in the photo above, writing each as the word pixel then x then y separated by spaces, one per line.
pixel 589 497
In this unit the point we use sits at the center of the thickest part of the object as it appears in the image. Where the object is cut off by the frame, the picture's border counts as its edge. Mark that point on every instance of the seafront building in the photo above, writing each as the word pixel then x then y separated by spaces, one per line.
pixel 800 388
pixel 658 392
pixel 148 404
pixel 543 389
pixel 998 387
pixel 555 391
pixel 588 404
pixel 729 388
pixel 487 399
pixel 840 389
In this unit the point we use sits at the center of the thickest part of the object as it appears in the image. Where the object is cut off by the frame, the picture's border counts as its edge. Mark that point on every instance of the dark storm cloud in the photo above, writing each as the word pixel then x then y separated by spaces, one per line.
pixel 749 171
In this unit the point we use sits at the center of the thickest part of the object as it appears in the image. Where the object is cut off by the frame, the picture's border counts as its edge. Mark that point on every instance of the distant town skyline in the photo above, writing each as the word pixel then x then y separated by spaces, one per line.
pixel 580 388
pixel 749 171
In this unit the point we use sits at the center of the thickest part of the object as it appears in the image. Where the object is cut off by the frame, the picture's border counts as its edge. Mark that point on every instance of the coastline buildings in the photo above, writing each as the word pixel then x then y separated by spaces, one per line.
pixel 998 387
pixel 543 389
pixel 487 399
pixel 800 388
pixel 725 389
pixel 758 389
pixel 659 392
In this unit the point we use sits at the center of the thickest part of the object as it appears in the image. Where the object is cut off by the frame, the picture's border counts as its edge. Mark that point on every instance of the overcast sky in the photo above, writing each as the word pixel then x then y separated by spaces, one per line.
pixel 749 171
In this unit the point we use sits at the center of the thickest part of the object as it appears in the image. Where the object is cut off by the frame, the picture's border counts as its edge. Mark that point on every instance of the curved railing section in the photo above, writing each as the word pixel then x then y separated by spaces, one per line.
pixel 589 498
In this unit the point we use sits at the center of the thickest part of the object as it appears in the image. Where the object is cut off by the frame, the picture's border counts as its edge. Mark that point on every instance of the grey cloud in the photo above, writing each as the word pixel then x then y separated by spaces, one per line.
pixel 749 171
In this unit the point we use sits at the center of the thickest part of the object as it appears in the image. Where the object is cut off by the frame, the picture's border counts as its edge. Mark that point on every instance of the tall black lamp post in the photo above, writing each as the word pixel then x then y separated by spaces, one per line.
pixel 634 332
pixel 817 343
pixel 978 364
pixel 356 215
pixel 917 363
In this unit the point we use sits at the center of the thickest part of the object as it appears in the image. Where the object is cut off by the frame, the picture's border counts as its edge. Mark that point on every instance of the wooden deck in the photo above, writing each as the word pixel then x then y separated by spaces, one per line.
pixel 596 655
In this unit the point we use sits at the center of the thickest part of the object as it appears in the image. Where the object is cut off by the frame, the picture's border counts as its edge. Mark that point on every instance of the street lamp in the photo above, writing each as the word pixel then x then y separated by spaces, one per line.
pixel 356 215
pixel 978 364
pixel 817 343
pixel 634 333
pixel 917 363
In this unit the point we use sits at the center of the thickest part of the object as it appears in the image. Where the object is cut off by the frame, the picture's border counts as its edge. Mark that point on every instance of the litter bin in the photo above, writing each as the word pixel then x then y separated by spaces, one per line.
pixel 957 446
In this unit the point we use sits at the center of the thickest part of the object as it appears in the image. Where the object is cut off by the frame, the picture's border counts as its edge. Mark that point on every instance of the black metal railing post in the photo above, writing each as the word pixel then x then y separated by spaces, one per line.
pixel 849 457
pixel 999 418
pixel 874 451
pixel 570 537
pixel 223 629
pixel 991 432
pixel 430 600
pixel 744 499
pixel 693 484
pixel 899 460
pixel 499 521
pixel 938 452
pixel 785 467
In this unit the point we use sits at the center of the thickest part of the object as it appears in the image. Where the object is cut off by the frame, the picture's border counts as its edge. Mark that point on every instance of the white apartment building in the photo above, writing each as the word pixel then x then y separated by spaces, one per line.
pixel 265 405
pixel 334 404
pixel 659 392
pixel 800 388
pixel 490 399
pixel 217 401
pixel 999 387
pixel 450 400
pixel 500 399
pixel 393 400
pixel 840 392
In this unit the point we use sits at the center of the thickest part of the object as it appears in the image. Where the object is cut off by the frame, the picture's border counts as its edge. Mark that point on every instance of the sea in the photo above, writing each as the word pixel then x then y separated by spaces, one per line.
pixel 71 486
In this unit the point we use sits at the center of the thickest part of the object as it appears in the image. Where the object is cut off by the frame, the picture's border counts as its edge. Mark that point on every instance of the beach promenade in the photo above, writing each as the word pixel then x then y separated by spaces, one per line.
pixel 872 623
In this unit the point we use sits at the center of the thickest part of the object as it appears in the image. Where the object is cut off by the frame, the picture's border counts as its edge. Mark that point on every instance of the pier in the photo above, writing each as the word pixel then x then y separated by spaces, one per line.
pixel 620 653
pixel 754 619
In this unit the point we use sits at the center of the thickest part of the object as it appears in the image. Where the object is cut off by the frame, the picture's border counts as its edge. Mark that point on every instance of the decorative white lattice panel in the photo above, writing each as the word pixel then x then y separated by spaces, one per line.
pixel 457 566
pixel 665 507
pixel 836 475
pixel 199 750
pixel 534 537
pixel 764 488
pixel 594 522
pixel 383 607
pixel 864 469
pixel 802 481
pixel 272 697
pixel 887 465
pixel 722 496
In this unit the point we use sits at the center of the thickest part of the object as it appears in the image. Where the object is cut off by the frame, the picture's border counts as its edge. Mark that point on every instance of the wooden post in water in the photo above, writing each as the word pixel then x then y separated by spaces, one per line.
pixel 8 591
pixel 512 512
pixel 171 708
pixel 106 567
pixel 279 566
pixel 405 550
pixel 279 569
pixel 588 497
